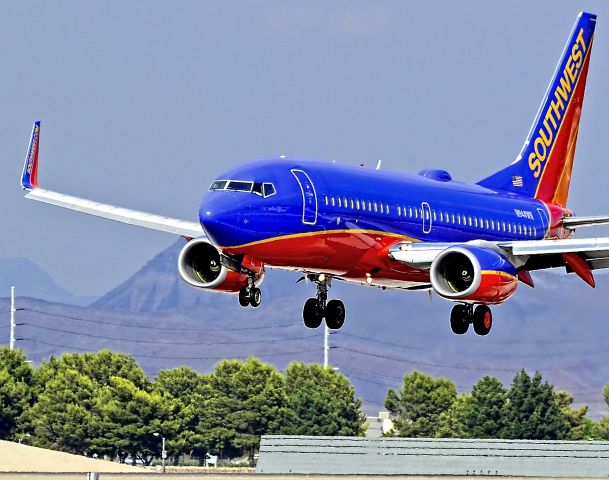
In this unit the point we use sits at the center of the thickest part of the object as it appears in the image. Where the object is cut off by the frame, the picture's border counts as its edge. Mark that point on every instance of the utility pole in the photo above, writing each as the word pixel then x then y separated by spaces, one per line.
pixel 326 345
pixel 12 339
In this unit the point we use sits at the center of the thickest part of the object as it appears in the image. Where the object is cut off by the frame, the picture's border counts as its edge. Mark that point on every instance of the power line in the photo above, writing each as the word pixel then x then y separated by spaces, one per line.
pixel 164 357
pixel 103 337
pixel 166 329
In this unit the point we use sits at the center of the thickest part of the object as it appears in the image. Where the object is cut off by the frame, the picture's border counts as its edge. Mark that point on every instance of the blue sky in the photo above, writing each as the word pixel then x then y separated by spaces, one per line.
pixel 144 103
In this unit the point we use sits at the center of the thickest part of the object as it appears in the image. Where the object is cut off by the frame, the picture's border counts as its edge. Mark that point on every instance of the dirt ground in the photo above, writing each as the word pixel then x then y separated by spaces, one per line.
pixel 15 457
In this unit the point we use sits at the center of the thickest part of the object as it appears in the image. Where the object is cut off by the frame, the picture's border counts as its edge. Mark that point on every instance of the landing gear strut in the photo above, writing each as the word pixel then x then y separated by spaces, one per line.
pixel 250 294
pixel 462 315
pixel 315 309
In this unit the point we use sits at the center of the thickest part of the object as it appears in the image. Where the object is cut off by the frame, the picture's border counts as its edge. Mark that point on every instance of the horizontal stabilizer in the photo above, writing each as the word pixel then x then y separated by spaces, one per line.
pixel 576 222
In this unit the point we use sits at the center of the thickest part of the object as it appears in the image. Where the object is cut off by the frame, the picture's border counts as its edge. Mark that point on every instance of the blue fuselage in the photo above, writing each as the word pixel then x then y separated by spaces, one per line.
pixel 321 197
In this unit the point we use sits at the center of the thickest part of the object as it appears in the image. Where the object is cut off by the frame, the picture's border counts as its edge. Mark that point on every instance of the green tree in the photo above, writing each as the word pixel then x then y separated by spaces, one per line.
pixel 451 423
pixel 417 408
pixel 321 402
pixel 533 411
pixel 484 416
pixel 62 418
pixel 100 367
pixel 579 428
pixel 128 418
pixel 16 390
pixel 193 392
pixel 248 401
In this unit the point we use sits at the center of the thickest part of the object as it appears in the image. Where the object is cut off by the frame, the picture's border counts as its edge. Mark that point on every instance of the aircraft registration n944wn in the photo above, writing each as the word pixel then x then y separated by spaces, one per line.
pixel 469 243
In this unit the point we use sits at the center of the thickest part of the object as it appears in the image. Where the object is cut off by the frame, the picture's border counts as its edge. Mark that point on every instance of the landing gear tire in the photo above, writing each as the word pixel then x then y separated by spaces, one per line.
pixel 311 315
pixel 459 319
pixel 335 314
pixel 255 297
pixel 483 320
pixel 244 297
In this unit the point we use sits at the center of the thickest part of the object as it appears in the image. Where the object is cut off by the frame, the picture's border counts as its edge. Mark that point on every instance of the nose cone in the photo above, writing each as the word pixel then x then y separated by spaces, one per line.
pixel 220 216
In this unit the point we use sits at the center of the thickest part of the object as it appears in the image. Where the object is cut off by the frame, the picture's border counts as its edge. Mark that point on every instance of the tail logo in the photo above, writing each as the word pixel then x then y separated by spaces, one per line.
pixel 563 89
pixel 33 150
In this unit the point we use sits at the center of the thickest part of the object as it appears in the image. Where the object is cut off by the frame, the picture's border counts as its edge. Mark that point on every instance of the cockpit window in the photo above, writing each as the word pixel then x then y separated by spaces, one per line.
pixel 269 189
pixel 259 188
pixel 239 186
pixel 218 185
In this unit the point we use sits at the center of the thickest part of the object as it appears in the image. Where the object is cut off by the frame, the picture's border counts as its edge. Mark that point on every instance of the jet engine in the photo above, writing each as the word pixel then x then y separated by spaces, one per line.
pixel 473 273
pixel 199 265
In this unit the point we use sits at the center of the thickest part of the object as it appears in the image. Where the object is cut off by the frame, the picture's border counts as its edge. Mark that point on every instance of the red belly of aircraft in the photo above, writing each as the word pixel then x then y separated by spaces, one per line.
pixel 354 255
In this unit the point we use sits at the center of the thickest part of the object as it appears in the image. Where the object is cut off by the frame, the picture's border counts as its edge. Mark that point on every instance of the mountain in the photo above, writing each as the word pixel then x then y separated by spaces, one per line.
pixel 559 328
pixel 32 281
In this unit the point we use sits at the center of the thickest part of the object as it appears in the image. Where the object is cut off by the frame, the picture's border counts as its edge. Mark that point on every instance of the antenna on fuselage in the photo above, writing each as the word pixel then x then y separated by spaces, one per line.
pixel 378 165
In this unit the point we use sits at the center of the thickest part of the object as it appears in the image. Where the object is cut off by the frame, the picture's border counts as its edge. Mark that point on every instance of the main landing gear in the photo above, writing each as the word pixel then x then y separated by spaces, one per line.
pixel 250 294
pixel 315 309
pixel 464 314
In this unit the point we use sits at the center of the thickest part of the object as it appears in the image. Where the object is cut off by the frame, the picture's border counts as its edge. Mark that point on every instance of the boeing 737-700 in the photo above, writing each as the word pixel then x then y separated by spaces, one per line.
pixel 468 243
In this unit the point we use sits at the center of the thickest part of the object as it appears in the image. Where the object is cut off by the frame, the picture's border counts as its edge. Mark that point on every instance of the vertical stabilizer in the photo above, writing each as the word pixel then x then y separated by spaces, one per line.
pixel 543 168
pixel 29 177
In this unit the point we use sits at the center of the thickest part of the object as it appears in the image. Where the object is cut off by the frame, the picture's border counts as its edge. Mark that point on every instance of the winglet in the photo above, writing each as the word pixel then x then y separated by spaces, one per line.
pixel 29 177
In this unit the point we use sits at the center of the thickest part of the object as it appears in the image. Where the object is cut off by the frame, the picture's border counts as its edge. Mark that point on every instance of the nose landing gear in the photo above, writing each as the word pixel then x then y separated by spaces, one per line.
pixel 464 314
pixel 318 308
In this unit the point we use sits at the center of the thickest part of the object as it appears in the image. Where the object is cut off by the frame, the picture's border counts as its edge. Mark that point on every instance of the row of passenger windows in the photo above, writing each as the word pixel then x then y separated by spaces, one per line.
pixel 436 216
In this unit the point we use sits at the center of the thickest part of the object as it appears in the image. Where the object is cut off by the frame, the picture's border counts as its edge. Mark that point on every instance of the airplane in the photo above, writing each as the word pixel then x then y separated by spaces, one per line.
pixel 469 243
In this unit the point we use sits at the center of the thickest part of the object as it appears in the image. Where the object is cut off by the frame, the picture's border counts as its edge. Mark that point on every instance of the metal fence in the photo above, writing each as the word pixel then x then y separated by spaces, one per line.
pixel 409 456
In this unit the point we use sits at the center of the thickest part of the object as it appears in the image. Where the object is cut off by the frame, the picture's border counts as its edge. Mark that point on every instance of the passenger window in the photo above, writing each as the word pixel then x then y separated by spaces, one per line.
pixel 387 209
pixel 357 204
pixel 376 207
pixel 340 203
pixel 363 205
pixel 434 215
pixel 410 212
pixel 475 222
pixel 399 211
pixel 493 224
pixel 369 206
pixel 441 217
pixel 381 208
pixel 326 199
pixel 332 201
pixel 469 221
pixel 486 224
pixel 351 202
pixel 464 219
pixel 345 202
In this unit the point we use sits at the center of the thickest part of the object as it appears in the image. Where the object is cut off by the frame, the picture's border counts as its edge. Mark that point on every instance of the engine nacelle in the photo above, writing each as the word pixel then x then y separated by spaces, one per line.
pixel 472 273
pixel 200 266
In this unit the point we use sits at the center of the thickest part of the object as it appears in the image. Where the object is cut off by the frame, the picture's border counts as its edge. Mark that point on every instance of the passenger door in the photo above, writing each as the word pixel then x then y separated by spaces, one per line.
pixel 309 197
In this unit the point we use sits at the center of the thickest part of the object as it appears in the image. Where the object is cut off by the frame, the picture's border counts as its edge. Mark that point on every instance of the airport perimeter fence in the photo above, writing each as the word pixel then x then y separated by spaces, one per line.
pixel 407 456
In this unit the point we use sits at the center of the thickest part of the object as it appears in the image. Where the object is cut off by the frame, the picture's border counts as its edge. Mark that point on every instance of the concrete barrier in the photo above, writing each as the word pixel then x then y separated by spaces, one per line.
pixel 409 456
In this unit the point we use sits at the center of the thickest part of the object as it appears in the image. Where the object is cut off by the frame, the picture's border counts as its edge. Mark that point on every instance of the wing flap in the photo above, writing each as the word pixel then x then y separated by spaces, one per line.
pixel 592 246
